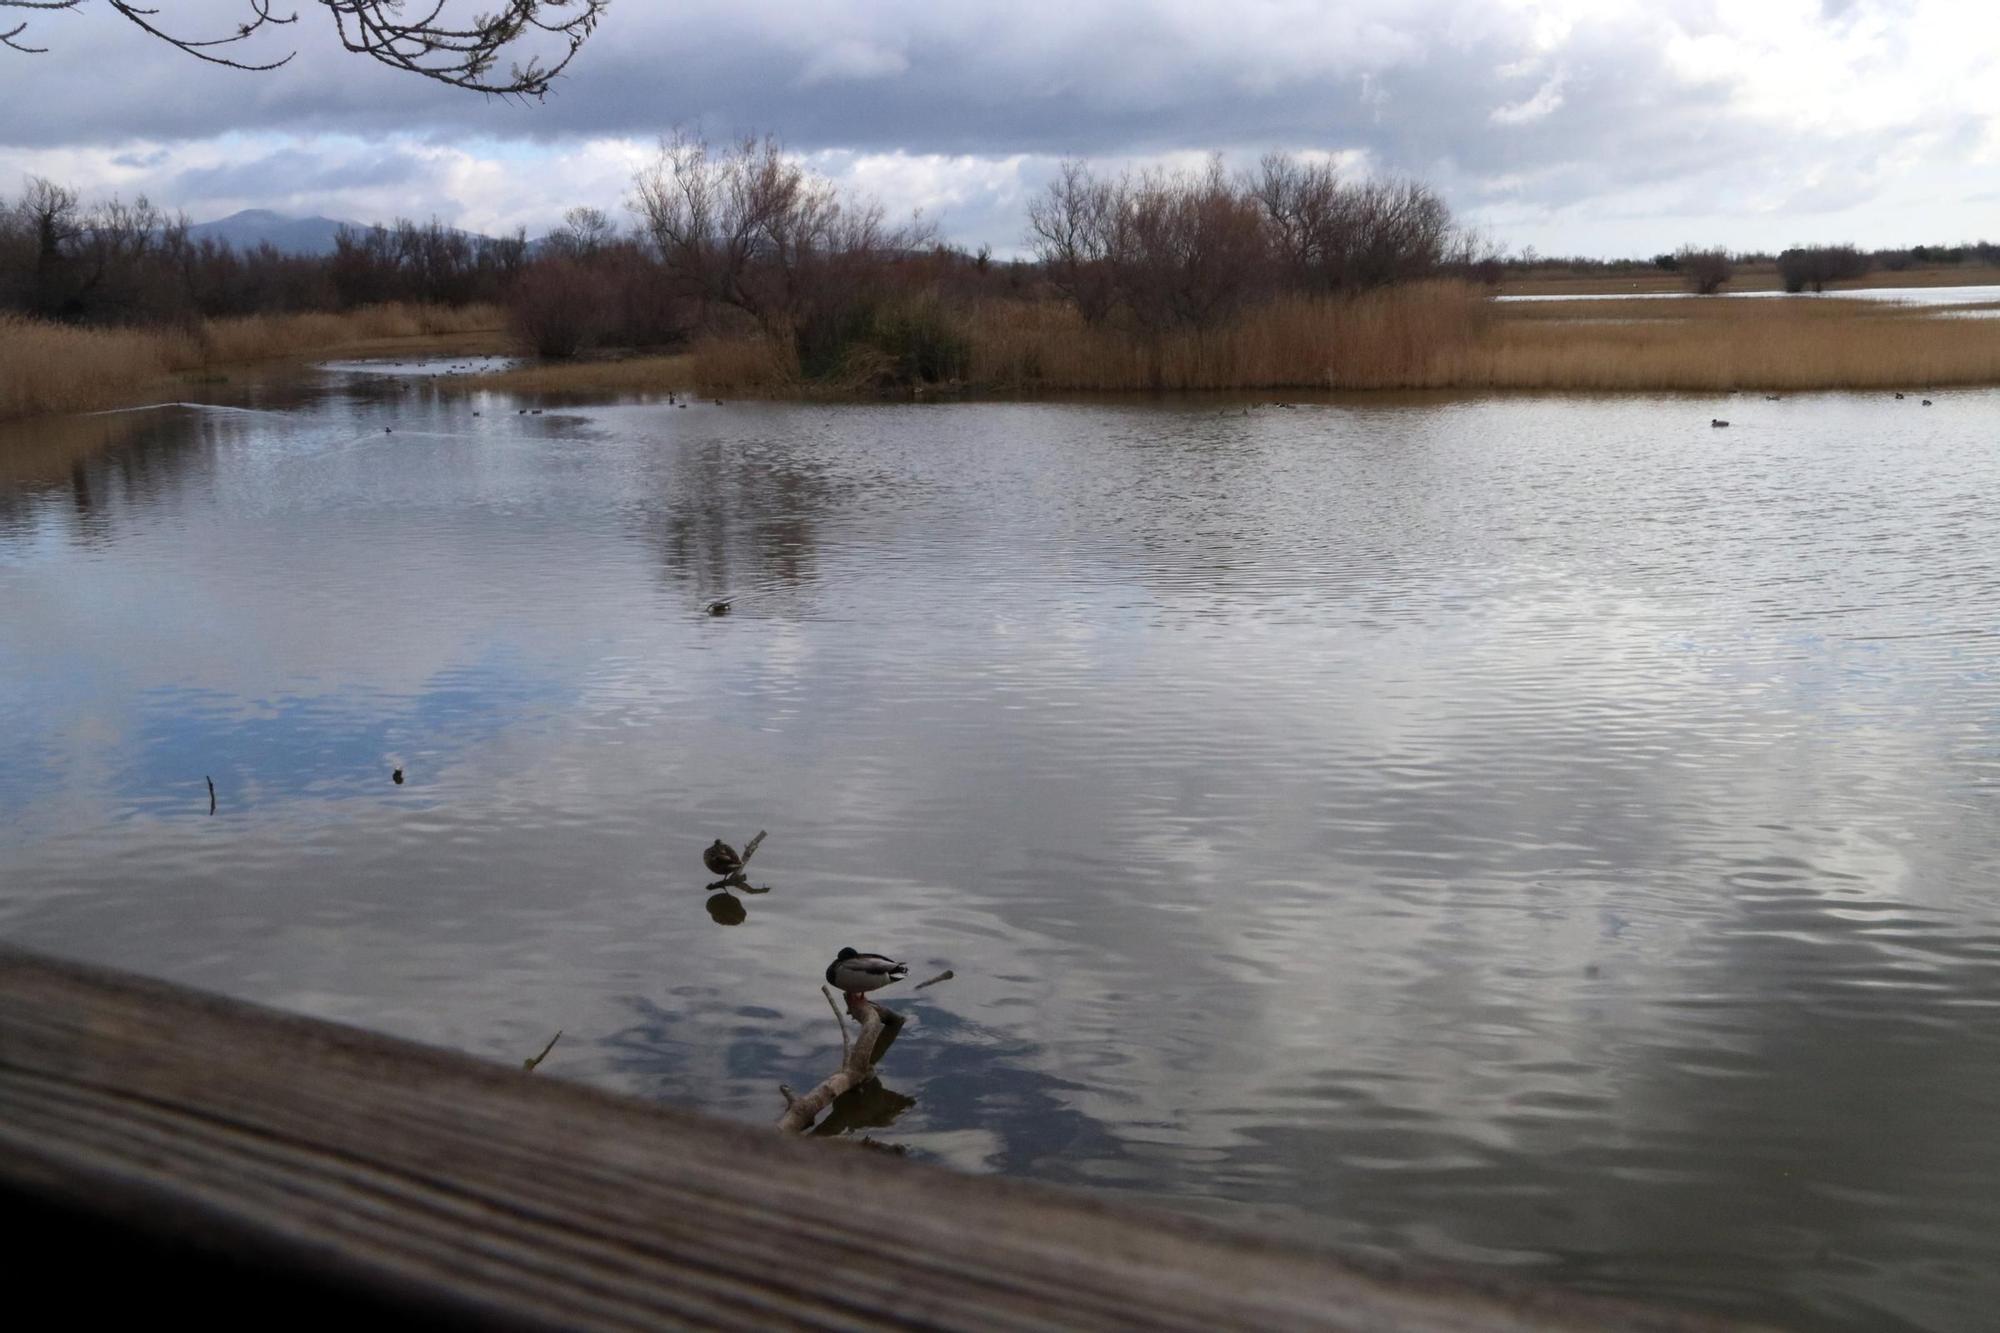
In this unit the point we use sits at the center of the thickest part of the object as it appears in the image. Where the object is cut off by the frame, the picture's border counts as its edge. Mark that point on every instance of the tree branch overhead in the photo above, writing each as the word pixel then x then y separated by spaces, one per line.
pixel 537 38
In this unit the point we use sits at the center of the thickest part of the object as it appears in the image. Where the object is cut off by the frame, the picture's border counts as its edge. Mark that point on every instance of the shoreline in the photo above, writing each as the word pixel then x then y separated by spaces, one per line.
pixel 1446 340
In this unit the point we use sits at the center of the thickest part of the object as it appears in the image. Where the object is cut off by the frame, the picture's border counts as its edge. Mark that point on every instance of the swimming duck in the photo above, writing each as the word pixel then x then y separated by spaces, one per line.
pixel 397 777
pixel 1717 421
pixel 1927 402
pixel 852 973
pixel 721 859
pixel 720 606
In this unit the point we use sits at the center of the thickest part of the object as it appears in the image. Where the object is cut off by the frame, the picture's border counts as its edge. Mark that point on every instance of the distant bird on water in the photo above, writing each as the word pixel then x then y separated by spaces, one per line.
pixel 1899 397
pixel 854 973
pixel 721 859
pixel 1927 402
pixel 397 777
pixel 1717 421
pixel 720 606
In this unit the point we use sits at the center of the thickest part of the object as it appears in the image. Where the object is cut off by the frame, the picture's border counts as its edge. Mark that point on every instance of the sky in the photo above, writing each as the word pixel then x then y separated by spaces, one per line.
pixel 1601 127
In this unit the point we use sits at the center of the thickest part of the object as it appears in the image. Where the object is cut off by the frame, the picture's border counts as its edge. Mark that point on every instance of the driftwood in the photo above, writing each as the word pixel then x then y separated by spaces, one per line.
pixel 268 1170
pixel 879 1027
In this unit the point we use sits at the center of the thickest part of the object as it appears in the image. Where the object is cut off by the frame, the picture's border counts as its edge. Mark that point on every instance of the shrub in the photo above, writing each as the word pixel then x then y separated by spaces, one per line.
pixel 560 308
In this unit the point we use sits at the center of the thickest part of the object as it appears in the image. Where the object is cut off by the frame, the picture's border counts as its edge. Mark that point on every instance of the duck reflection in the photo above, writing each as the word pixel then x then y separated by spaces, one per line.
pixel 726 909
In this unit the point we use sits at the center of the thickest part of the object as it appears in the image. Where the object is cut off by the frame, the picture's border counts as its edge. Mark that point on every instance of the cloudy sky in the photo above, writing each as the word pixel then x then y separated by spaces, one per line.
pixel 1573 126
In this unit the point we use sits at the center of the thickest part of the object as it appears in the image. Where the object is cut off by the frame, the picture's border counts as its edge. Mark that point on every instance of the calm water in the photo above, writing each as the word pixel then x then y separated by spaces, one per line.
pixel 1547 834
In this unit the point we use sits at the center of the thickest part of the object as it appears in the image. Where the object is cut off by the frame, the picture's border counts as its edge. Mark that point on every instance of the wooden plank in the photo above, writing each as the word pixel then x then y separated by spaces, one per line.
pixel 276 1161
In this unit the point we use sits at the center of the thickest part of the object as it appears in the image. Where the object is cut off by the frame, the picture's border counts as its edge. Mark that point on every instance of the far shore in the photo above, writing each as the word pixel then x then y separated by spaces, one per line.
pixel 1747 278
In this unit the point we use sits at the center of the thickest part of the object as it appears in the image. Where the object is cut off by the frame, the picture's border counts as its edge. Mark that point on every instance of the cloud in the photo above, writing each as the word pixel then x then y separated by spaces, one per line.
pixel 1562 120
pixel 855 60
pixel 1547 100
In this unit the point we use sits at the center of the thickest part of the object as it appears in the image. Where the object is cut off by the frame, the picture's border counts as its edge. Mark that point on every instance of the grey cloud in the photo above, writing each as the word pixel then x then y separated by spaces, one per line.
pixel 293 171
pixel 1117 79
pixel 1414 85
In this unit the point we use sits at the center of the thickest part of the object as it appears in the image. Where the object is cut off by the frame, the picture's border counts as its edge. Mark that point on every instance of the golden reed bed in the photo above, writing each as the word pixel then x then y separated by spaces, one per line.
pixel 1430 336
pixel 48 368
pixel 1426 336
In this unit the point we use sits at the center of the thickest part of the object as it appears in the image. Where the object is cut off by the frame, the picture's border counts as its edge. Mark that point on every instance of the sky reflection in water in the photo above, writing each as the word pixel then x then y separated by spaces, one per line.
pixel 1541 833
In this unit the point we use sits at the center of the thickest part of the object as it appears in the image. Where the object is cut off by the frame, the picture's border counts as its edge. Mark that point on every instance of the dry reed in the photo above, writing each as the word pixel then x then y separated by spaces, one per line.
pixel 1423 336
pixel 1709 344
pixel 48 367
pixel 1390 339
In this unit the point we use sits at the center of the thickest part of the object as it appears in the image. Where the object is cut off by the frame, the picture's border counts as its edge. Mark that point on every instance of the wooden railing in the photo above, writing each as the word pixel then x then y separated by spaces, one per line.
pixel 196 1159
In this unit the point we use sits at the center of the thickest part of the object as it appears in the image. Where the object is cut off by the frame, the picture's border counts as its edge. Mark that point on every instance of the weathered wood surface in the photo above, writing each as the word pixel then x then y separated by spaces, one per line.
pixel 309 1161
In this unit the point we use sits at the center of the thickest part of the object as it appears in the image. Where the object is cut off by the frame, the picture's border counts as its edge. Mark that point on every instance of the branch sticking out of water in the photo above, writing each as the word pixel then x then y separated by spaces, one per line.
pixel 750 847
pixel 945 975
pixel 529 1065
pixel 211 794
pixel 857 1066
pixel 844 1047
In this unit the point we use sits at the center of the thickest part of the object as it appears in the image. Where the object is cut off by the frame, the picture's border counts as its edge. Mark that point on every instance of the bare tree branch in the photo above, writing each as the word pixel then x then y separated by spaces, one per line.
pixel 463 53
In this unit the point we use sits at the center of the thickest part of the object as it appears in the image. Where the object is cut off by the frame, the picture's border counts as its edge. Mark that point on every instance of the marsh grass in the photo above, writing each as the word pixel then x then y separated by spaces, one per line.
pixel 1421 336
pixel 48 367
pixel 1779 343
pixel 1395 338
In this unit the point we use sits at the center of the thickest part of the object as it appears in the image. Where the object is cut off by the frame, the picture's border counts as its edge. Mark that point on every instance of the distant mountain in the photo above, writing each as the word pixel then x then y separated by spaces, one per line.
pixel 254 226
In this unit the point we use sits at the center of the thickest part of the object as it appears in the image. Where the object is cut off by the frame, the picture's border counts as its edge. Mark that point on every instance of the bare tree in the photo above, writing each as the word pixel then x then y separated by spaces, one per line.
pixel 1334 236
pixel 1194 250
pixel 585 234
pixel 1072 229
pixel 464 53
pixel 751 228
pixel 1704 270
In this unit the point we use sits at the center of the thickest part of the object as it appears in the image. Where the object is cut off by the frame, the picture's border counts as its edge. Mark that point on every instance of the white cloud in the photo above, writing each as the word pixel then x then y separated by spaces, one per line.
pixel 1547 100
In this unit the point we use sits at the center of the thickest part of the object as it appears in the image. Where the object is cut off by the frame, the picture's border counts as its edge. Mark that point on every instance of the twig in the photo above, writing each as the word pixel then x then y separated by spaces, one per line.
pixel 529 1065
pixel 945 975
pixel 844 1048
pixel 211 794
pixel 750 848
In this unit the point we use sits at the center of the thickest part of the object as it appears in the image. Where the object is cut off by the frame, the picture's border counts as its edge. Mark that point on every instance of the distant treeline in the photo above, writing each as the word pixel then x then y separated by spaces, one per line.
pixel 1800 268
pixel 132 263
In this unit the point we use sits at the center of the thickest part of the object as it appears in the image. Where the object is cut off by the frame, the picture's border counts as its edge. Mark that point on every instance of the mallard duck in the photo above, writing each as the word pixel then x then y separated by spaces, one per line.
pixel 721 859
pixel 397 777
pixel 720 606
pixel 853 973
pixel 1717 421
pixel 1927 402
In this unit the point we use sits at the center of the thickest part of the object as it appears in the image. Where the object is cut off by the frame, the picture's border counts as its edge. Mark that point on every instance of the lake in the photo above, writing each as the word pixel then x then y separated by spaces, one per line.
pixel 1539 833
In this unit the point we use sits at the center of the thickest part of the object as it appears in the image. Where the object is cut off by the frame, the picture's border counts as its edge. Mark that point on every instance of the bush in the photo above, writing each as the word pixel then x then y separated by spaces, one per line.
pixel 923 344
pixel 560 308
pixel 1704 271
pixel 1815 266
